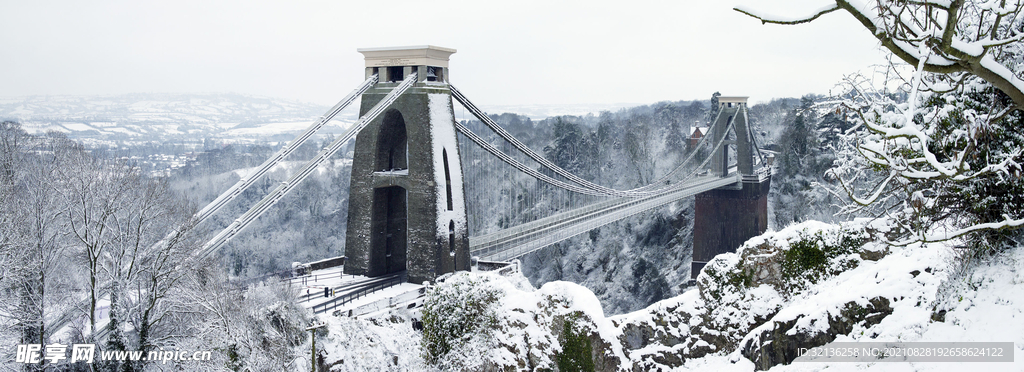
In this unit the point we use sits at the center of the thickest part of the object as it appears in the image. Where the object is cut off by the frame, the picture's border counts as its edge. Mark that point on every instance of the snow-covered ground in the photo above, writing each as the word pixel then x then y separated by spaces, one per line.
pixel 984 305
pixel 310 291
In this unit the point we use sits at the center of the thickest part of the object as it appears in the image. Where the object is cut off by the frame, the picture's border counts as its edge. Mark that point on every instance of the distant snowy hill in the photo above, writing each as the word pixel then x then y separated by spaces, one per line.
pixel 145 117
pixel 544 111
pixel 159 117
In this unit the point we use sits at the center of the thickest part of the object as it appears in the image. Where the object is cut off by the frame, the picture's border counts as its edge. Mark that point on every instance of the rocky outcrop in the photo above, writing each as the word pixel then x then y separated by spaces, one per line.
pixel 738 295
pixel 711 319
pixel 664 336
pixel 779 341
pixel 760 303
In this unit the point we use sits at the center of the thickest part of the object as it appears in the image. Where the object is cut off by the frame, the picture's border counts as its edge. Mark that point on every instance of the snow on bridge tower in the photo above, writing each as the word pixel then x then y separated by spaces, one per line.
pixel 406 207
pixel 725 218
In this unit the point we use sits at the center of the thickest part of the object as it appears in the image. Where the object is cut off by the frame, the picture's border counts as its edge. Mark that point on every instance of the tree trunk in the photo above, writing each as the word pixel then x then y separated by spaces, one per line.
pixel 92 301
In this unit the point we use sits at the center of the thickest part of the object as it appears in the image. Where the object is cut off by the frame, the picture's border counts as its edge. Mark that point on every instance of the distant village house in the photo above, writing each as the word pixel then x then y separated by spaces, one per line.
pixel 696 133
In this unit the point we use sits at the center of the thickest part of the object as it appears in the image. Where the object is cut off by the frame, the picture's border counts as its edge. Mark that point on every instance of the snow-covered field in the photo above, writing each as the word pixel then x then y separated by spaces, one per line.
pixel 163 117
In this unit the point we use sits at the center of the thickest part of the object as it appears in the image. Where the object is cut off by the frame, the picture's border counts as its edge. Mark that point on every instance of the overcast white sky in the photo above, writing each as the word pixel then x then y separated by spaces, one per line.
pixel 510 52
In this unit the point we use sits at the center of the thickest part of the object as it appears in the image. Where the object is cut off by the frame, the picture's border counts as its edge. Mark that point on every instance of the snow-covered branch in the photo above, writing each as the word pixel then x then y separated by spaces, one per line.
pixel 941 236
pixel 939 36
pixel 765 18
pixel 937 149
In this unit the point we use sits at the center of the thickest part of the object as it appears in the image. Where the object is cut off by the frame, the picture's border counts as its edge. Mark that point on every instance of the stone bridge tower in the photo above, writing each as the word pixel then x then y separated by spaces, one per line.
pixel 407 210
pixel 725 218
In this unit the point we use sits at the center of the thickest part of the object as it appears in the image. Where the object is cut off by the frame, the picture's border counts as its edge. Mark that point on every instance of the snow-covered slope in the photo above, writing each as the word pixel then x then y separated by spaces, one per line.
pixel 985 304
pixel 746 301
pixel 874 294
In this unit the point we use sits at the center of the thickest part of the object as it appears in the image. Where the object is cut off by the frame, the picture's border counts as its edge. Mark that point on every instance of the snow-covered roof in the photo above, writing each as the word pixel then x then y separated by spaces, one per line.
pixel 734 99
pixel 703 130
pixel 420 55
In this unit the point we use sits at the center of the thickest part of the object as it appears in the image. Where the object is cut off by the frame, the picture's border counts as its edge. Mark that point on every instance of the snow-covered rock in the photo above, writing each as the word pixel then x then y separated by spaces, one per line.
pixel 807 285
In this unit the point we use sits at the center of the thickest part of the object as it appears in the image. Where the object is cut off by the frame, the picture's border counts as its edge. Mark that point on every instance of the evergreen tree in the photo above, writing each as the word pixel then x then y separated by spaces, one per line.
pixel 573 148
pixel 671 116
pixel 796 168
pixel 713 112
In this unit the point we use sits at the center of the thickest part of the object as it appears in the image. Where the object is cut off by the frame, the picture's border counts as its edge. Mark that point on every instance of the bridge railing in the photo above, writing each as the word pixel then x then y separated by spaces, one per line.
pixel 563 217
pixel 486 240
pixel 517 241
pixel 358 293
pixel 283 275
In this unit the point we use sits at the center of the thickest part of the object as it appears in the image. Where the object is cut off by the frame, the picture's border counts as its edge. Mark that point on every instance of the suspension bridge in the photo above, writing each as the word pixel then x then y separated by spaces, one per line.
pixel 410 220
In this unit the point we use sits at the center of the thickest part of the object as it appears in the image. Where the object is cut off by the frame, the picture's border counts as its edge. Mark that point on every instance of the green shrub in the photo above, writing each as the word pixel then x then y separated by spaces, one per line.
pixel 804 258
pixel 815 257
pixel 455 311
pixel 576 349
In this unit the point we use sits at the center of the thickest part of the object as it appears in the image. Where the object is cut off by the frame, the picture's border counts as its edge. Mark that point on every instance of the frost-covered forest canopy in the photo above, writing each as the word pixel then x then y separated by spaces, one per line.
pixel 894 215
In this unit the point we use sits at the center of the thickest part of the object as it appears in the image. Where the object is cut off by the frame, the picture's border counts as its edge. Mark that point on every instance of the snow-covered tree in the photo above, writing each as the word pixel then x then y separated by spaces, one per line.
pixel 76 224
pixel 937 149
pixel 93 192
pixel 639 143
pixel 255 329
pixel 955 37
pixel 805 153
pixel 572 147
pixel 797 166
pixel 145 261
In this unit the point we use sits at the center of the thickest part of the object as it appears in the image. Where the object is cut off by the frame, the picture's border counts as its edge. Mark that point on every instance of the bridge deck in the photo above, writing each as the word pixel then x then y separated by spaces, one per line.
pixel 504 245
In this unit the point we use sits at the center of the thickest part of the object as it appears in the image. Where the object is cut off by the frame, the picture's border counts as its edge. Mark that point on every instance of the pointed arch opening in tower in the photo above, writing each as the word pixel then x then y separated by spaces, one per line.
pixel 389 230
pixel 447 179
pixel 392 143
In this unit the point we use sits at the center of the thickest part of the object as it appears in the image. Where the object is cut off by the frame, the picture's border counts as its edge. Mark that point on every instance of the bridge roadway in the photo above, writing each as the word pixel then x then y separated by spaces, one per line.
pixel 504 245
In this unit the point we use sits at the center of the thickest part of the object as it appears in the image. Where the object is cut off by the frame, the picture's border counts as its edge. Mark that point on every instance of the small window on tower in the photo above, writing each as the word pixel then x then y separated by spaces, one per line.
pixel 435 73
pixel 395 74
pixel 451 238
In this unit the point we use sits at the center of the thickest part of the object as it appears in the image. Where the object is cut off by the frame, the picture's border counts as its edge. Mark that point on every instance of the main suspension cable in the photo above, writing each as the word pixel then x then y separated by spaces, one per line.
pixel 602 190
